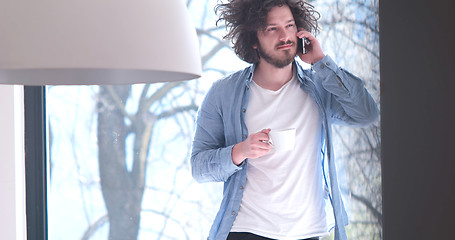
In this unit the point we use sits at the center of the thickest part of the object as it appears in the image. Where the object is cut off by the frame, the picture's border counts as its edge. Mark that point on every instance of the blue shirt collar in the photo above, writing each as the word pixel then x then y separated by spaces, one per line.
pixel 300 73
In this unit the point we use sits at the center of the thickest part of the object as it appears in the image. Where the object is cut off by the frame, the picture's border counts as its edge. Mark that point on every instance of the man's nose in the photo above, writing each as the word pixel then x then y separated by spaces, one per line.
pixel 283 35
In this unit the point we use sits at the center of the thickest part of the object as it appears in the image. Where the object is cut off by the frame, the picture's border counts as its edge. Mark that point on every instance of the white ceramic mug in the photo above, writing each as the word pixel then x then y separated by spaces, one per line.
pixel 282 140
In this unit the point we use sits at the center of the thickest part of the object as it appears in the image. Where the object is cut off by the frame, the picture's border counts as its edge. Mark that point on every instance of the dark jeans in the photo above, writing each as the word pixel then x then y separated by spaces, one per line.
pixel 251 236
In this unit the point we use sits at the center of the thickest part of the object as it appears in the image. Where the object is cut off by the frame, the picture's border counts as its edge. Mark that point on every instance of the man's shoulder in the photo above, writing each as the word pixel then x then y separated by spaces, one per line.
pixel 225 89
pixel 234 79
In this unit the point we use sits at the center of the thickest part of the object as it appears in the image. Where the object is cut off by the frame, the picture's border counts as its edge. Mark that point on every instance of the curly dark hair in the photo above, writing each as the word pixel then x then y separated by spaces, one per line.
pixel 245 17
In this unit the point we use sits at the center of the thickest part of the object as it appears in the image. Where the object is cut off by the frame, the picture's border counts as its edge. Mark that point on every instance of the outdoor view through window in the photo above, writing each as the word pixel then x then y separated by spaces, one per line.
pixel 125 150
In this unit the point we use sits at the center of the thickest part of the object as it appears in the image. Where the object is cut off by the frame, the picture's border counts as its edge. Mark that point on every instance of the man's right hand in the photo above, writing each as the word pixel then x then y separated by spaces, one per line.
pixel 256 145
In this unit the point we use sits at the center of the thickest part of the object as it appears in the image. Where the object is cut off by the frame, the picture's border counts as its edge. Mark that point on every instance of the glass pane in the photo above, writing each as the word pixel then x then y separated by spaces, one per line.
pixel 124 150
pixel 112 154
pixel 351 32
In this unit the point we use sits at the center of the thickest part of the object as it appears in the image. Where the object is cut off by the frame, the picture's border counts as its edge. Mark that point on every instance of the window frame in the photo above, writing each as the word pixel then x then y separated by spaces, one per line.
pixel 35 162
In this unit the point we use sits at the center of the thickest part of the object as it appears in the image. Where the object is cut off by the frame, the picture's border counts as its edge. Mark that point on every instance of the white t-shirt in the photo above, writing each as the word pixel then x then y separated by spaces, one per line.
pixel 284 195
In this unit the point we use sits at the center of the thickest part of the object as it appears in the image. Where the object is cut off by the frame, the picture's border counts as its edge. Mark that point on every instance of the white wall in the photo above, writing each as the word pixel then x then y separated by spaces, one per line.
pixel 12 187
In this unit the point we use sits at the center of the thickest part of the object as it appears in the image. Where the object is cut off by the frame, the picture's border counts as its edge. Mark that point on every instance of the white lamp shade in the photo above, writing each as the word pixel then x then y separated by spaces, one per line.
pixel 73 42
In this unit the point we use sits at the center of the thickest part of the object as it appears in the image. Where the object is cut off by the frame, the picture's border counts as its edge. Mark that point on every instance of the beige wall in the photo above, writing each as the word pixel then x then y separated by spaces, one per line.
pixel 12 196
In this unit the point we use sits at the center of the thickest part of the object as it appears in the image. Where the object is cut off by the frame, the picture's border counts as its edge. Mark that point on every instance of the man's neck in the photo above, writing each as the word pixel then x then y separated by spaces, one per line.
pixel 270 77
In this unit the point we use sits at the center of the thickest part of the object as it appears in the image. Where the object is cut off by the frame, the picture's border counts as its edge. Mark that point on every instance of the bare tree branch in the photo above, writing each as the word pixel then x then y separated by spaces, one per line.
pixel 143 97
pixel 120 105
pixel 176 110
pixel 207 32
pixel 367 203
pixel 92 228
pixel 160 93
pixel 167 216
pixel 213 52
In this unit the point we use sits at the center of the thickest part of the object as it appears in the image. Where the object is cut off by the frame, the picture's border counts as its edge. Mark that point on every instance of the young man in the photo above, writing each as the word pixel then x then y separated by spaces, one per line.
pixel 272 194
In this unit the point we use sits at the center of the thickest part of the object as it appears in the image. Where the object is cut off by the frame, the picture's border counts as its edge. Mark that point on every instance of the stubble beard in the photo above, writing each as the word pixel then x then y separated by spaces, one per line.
pixel 278 62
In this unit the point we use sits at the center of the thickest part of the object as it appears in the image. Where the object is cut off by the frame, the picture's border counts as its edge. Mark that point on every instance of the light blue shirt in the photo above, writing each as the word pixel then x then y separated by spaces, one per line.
pixel 341 99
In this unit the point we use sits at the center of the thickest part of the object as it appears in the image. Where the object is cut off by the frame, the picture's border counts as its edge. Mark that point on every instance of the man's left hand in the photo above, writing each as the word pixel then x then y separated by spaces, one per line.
pixel 314 50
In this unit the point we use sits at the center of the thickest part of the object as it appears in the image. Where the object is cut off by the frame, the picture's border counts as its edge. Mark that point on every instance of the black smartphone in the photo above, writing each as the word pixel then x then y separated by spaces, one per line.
pixel 303 45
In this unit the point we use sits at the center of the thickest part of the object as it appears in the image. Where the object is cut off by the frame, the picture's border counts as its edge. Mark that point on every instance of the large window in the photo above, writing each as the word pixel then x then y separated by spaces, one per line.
pixel 118 156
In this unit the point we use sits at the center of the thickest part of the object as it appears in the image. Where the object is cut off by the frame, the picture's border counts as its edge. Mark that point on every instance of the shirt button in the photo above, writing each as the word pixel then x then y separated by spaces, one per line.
pixel 322 66
pixel 244 136
pixel 233 213
pixel 328 63
pixel 243 110
pixel 241 187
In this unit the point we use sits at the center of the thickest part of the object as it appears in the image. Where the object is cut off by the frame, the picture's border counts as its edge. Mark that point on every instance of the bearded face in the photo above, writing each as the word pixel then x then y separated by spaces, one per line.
pixel 277 42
